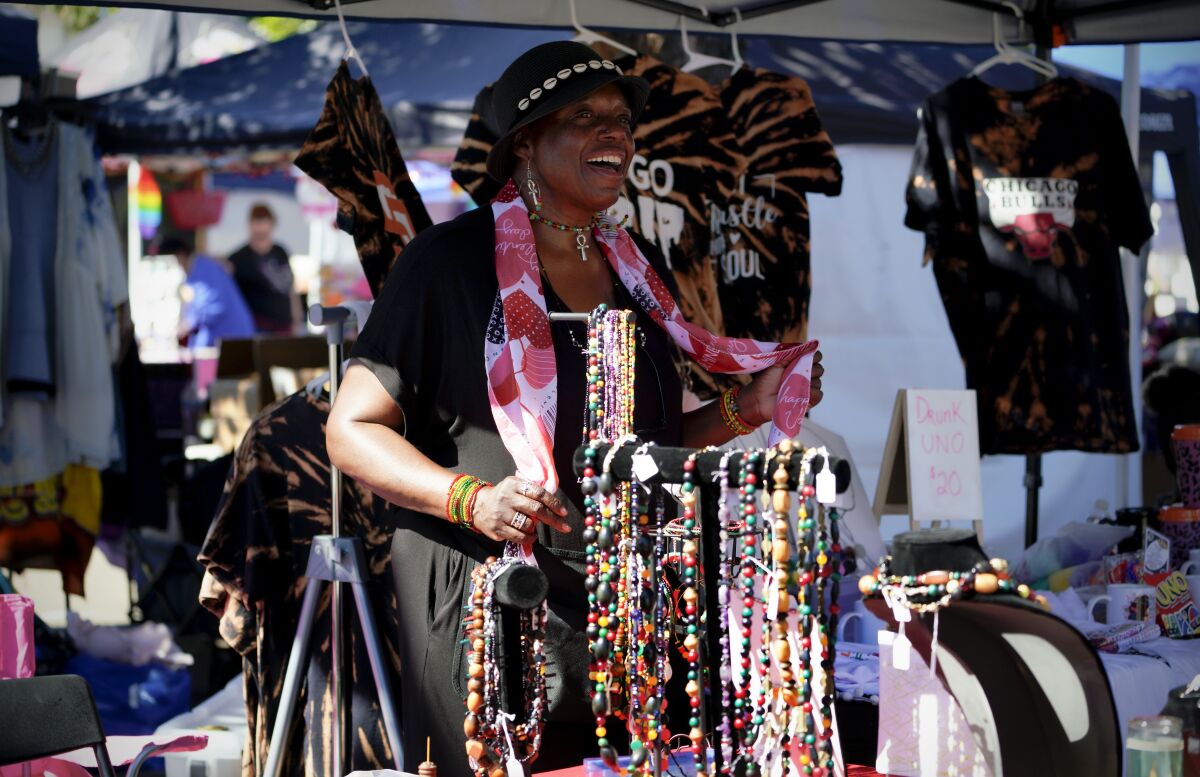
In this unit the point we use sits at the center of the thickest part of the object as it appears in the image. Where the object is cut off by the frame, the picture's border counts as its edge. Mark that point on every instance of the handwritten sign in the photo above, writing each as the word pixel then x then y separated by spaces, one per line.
pixel 931 462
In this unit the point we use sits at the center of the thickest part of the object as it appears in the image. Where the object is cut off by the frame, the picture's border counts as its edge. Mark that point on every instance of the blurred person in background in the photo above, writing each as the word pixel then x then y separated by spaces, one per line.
pixel 264 274
pixel 213 307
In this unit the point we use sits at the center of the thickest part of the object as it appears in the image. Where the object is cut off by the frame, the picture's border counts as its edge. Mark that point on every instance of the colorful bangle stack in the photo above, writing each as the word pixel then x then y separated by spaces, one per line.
pixel 460 500
pixel 730 414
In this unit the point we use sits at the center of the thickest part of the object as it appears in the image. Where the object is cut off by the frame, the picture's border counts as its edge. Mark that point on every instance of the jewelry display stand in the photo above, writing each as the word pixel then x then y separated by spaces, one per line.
pixel 670 465
pixel 339 561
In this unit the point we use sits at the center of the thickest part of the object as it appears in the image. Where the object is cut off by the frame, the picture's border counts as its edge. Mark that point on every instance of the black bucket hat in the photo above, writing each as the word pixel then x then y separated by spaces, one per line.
pixel 544 79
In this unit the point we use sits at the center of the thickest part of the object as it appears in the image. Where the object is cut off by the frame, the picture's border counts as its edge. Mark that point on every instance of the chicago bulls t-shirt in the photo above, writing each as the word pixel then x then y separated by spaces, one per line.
pixel 762 247
pixel 686 162
pixel 1024 199
pixel 353 153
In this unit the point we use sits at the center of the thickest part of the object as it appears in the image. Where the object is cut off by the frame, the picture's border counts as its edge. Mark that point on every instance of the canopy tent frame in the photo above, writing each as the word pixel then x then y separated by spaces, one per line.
pixel 960 21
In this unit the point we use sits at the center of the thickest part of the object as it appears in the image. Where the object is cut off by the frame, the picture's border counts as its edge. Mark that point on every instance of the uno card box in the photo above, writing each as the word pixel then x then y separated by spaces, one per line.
pixel 1178 612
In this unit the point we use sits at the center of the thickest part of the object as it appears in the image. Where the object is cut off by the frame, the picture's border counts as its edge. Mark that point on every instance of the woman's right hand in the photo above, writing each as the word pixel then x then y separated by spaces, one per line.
pixel 497 506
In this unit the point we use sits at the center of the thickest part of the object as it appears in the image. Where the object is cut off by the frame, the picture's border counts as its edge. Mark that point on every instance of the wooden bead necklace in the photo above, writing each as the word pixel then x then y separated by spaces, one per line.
pixel 492 742
pixel 931 591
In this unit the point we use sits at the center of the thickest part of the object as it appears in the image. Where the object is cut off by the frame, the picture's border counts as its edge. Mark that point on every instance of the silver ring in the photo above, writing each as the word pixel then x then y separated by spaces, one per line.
pixel 525 489
pixel 519 521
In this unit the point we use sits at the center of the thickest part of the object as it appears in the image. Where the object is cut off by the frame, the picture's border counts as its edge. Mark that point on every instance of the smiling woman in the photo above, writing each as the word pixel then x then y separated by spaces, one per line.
pixel 464 404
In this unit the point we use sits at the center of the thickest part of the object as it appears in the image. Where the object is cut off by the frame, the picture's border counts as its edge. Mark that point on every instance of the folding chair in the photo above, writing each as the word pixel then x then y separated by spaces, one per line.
pixel 45 716
pixel 56 716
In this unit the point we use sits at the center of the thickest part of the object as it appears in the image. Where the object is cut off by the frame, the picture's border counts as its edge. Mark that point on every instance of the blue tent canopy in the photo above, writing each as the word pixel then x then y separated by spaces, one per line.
pixel 18 43
pixel 870 92
pixel 427 77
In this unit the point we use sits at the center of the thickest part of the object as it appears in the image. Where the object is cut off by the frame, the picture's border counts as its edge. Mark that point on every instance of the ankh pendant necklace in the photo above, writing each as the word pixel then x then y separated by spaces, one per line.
pixel 581 233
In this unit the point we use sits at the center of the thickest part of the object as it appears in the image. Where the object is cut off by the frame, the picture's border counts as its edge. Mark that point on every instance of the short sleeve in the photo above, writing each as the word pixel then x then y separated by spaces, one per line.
pixel 403 335
pixel 922 195
pixel 1125 211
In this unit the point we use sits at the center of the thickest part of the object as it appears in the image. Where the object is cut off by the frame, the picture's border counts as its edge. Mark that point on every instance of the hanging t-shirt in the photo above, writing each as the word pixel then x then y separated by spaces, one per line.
pixel 762 247
pixel 686 161
pixel 32 181
pixel 353 153
pixel 1024 198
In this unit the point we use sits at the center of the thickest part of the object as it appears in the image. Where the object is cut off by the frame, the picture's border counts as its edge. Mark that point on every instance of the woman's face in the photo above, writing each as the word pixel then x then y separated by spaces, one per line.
pixel 580 152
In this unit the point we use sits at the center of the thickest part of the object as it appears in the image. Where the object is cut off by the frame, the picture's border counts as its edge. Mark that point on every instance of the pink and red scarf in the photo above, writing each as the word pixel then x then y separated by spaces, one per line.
pixel 519 352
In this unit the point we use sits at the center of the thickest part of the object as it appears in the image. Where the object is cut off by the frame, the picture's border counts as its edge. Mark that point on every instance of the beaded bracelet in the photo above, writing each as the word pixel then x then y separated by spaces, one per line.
pixel 460 500
pixel 730 412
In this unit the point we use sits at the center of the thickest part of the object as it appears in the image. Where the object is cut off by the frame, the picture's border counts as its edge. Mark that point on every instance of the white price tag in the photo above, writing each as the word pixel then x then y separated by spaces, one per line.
pixel 897 602
pixel 826 486
pixel 901 652
pixel 644 467
pixel 512 764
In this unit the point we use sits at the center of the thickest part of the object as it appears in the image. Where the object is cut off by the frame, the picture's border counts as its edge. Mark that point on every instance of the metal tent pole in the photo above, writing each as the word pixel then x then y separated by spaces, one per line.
pixel 1129 475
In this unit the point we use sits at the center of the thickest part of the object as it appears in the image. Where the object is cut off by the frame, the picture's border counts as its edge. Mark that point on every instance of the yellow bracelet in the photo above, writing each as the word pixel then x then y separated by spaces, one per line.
pixel 730 414
pixel 460 499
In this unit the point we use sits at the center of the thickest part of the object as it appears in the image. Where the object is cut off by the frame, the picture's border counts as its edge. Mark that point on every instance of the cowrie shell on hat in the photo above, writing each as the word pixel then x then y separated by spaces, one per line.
pixel 579 68
pixel 523 104
pixel 607 65
pixel 594 64
pixel 550 83
pixel 564 73
pixel 535 93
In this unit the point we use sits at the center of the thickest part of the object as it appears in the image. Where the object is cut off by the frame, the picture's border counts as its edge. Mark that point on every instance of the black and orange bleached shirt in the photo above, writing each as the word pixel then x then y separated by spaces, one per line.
pixel 353 153
pixel 762 247
pixel 1025 199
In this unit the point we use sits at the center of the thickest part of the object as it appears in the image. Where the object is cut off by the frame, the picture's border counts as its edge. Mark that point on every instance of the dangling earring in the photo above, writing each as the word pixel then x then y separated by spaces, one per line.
pixel 531 186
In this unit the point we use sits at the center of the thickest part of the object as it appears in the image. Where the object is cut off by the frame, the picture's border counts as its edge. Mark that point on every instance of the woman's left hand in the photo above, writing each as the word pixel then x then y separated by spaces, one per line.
pixel 757 400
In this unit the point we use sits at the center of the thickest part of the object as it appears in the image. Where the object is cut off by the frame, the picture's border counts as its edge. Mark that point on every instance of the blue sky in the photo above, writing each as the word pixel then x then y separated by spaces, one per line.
pixel 1155 58
pixel 1109 60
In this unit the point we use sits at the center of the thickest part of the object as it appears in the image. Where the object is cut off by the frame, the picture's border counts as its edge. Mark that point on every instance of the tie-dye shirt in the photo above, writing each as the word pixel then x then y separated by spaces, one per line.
pixel 1024 199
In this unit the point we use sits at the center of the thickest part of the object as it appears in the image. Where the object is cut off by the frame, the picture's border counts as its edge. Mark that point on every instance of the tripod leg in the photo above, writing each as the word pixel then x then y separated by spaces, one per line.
pixel 286 712
pixel 387 704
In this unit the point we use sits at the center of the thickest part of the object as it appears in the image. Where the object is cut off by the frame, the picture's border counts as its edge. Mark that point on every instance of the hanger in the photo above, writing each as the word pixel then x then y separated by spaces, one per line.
pixel 1009 55
pixel 696 60
pixel 351 52
pixel 589 36
pixel 30 117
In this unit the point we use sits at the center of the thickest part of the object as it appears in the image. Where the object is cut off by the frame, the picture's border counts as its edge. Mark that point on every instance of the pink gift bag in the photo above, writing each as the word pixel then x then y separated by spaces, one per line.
pixel 16 637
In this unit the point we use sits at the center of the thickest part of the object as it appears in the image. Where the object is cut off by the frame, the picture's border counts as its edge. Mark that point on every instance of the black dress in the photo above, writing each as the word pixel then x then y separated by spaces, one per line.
pixel 424 342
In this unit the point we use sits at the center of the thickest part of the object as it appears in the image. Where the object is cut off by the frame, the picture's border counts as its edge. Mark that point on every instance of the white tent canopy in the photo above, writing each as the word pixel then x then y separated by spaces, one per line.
pixel 132 46
pixel 948 21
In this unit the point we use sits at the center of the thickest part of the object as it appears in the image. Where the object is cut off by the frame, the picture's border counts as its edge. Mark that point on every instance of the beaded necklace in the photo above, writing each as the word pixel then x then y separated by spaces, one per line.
pixel 690 619
pixel 610 510
pixel 747 718
pixel 827 575
pixel 781 568
pixel 581 233
pixel 491 741
pixel 931 591
pixel 723 597
pixel 807 597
